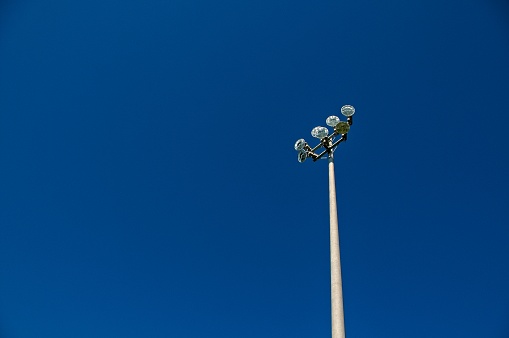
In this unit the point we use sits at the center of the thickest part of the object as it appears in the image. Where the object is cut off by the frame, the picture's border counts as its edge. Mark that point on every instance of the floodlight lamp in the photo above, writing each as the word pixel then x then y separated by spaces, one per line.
pixel 300 144
pixel 342 127
pixel 332 121
pixel 347 110
pixel 301 157
pixel 319 132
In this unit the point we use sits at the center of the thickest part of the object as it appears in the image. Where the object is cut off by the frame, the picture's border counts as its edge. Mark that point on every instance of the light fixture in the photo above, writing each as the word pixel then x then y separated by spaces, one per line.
pixel 347 110
pixel 301 157
pixel 319 132
pixel 326 141
pixel 342 128
pixel 299 145
pixel 332 121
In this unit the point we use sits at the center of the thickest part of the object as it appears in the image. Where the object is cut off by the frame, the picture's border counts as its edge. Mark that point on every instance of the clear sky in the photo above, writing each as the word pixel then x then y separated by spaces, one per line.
pixel 149 186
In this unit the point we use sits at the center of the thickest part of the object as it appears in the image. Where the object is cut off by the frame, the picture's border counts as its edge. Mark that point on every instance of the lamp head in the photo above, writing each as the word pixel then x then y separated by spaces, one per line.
pixel 300 144
pixel 342 127
pixel 332 121
pixel 347 110
pixel 301 157
pixel 319 132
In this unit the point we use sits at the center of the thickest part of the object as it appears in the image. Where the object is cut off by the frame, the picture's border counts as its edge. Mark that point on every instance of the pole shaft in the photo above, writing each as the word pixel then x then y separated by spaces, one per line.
pixel 337 315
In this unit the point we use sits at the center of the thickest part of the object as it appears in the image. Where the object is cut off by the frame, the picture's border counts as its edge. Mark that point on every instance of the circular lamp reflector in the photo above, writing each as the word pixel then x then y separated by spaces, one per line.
pixel 342 127
pixel 319 132
pixel 347 110
pixel 332 121
pixel 299 145
pixel 301 157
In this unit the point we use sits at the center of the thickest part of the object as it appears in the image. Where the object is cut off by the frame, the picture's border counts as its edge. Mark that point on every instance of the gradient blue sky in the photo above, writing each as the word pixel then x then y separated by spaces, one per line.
pixel 149 186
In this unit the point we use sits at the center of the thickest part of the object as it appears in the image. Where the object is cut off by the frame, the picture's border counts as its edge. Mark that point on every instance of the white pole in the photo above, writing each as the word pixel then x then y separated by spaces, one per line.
pixel 337 315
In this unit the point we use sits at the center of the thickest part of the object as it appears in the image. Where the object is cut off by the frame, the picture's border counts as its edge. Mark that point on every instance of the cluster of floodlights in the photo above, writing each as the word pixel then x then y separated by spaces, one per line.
pixel 326 140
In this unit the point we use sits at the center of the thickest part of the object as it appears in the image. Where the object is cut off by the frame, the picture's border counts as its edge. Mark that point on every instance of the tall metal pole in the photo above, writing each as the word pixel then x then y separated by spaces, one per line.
pixel 337 315
pixel 305 151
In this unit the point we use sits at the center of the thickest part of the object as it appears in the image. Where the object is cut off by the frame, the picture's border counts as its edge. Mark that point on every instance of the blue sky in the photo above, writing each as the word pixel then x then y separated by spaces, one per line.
pixel 149 186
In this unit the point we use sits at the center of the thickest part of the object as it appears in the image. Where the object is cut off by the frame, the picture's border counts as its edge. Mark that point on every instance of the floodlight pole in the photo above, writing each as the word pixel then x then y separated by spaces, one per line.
pixel 337 314
pixel 305 151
